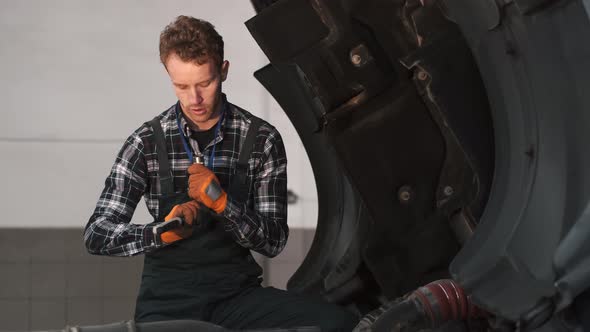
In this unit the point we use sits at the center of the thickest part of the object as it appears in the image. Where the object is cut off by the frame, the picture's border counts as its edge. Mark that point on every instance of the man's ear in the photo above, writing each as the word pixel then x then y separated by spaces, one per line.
pixel 224 70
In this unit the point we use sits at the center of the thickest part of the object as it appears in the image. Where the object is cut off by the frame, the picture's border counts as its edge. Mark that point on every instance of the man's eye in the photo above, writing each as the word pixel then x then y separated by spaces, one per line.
pixel 205 84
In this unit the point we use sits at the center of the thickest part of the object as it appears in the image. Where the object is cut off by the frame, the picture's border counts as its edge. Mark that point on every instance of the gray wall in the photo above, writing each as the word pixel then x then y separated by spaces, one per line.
pixel 77 77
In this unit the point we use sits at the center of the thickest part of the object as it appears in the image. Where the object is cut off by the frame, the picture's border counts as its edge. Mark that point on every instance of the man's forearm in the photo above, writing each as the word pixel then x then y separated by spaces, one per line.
pixel 104 237
pixel 264 234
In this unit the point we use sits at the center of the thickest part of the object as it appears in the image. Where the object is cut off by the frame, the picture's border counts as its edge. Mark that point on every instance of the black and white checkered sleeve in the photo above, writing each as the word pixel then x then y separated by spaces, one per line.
pixel 264 229
pixel 109 230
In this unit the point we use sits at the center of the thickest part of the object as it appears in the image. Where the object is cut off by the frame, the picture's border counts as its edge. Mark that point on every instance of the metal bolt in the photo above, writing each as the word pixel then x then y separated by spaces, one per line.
pixel 422 76
pixel 356 59
pixel 405 194
pixel 360 55
pixel 448 191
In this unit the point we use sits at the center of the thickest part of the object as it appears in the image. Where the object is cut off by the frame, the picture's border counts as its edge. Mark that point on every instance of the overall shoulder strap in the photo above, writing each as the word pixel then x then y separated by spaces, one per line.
pixel 239 187
pixel 165 173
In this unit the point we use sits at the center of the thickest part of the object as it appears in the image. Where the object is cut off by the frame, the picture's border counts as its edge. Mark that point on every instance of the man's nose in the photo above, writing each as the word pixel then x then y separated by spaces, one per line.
pixel 196 96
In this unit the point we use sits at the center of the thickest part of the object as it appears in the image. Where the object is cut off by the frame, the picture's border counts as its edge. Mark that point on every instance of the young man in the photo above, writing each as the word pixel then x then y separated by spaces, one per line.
pixel 223 172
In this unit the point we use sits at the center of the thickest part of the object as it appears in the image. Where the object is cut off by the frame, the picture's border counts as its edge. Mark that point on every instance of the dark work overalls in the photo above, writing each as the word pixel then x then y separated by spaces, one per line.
pixel 210 277
pixel 184 279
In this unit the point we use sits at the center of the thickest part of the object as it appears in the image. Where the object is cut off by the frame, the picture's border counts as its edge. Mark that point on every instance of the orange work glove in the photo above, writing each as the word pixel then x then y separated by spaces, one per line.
pixel 188 212
pixel 204 187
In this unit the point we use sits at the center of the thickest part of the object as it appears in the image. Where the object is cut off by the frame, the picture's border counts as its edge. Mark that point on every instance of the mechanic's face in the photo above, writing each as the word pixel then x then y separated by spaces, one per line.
pixel 198 88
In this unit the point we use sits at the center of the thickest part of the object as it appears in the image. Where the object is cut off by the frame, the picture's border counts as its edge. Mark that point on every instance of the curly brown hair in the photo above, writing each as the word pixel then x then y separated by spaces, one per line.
pixel 192 39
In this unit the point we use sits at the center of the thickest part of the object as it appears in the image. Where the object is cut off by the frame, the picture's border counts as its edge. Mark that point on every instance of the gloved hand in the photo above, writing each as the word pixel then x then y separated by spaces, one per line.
pixel 204 187
pixel 188 212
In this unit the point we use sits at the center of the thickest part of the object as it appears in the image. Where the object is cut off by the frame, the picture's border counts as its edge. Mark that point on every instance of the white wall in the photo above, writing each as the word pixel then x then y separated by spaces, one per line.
pixel 77 77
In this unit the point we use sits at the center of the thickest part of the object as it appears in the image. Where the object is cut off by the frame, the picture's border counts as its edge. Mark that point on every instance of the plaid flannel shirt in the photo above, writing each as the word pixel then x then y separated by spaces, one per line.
pixel 259 224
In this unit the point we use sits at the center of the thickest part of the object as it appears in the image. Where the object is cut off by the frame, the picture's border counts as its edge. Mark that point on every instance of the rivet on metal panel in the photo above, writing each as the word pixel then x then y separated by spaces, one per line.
pixel 422 75
pixel 448 191
pixel 356 59
pixel 405 194
pixel 359 56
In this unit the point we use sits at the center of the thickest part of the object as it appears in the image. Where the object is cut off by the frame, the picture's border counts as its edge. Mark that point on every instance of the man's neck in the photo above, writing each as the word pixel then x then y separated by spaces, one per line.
pixel 209 123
